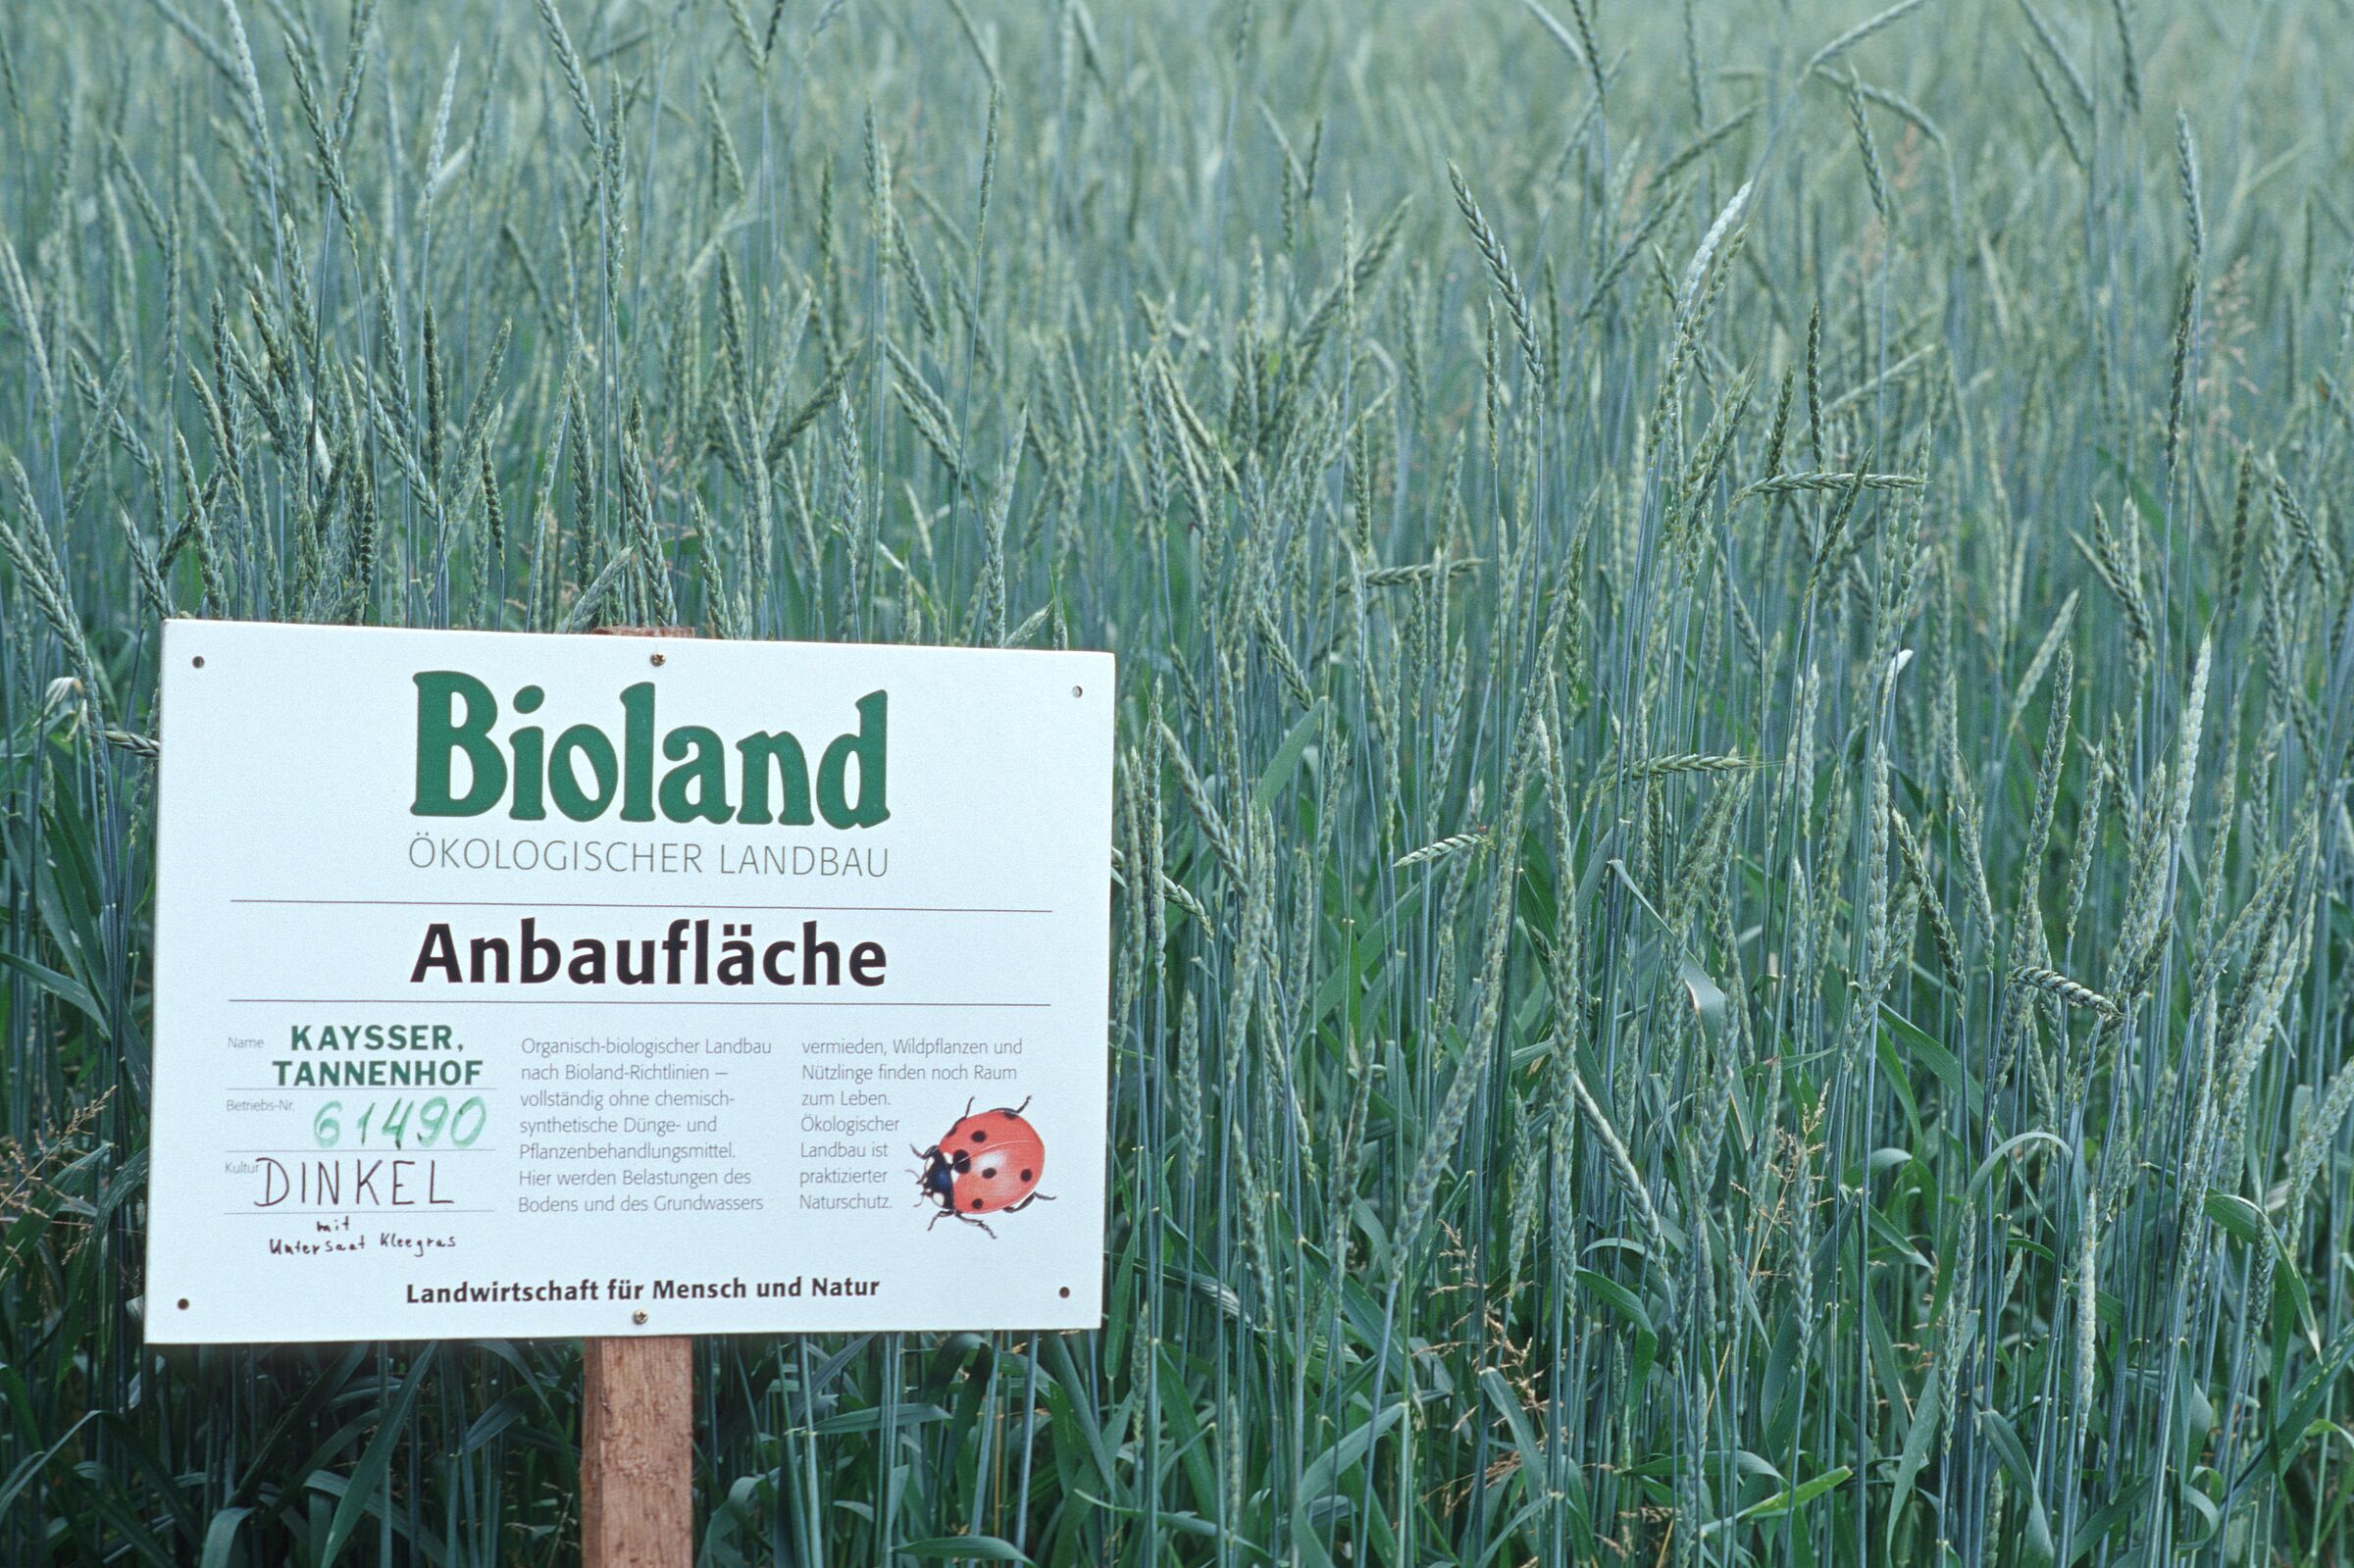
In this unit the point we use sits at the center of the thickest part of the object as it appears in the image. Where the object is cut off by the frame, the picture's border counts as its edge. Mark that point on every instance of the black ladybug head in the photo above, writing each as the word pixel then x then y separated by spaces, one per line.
pixel 937 1181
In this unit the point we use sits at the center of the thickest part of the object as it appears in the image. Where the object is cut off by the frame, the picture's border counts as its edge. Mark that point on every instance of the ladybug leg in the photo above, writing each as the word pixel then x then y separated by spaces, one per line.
pixel 970 1220
pixel 1025 1105
pixel 1034 1197
pixel 968 1105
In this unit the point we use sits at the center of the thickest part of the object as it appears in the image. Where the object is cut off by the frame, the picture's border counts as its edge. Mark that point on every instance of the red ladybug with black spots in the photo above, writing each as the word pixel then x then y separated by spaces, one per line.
pixel 988 1163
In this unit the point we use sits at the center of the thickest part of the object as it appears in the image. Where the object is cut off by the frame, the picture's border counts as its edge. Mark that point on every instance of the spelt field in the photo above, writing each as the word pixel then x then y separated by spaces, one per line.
pixel 1734 853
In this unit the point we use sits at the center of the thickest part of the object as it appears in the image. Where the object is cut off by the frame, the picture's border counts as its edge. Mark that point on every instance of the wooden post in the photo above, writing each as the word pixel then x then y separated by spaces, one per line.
pixel 638 1425
pixel 637 1454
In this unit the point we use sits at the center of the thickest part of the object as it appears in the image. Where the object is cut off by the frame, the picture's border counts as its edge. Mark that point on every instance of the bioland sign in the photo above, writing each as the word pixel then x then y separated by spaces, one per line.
pixel 565 986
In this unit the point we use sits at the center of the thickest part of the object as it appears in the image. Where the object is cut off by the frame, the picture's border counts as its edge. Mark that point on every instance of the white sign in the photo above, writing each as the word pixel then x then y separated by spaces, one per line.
pixel 534 986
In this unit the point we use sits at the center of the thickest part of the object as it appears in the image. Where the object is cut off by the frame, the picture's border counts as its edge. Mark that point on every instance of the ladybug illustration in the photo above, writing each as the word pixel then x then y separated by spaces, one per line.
pixel 988 1163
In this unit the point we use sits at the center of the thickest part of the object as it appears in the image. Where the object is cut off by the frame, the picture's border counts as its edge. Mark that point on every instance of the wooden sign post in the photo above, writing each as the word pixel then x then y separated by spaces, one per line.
pixel 637 1454
pixel 637 1426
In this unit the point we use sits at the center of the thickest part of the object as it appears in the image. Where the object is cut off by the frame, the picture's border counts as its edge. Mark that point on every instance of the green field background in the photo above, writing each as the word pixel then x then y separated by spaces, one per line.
pixel 1733 856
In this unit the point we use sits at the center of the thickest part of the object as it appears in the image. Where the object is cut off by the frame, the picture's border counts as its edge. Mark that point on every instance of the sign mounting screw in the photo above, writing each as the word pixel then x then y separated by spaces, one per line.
pixel 199 661
pixel 638 1317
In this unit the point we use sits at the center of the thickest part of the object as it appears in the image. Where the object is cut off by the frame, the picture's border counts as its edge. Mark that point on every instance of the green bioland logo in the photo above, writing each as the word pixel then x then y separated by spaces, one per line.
pixel 583 772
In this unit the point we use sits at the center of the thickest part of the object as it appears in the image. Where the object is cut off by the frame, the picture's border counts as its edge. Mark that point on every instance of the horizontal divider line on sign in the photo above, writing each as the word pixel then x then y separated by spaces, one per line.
pixel 541 903
pixel 388 1213
pixel 586 1001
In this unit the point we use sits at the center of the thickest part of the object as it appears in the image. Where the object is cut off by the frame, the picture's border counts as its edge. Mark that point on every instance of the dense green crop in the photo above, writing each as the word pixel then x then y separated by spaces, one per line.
pixel 1733 847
